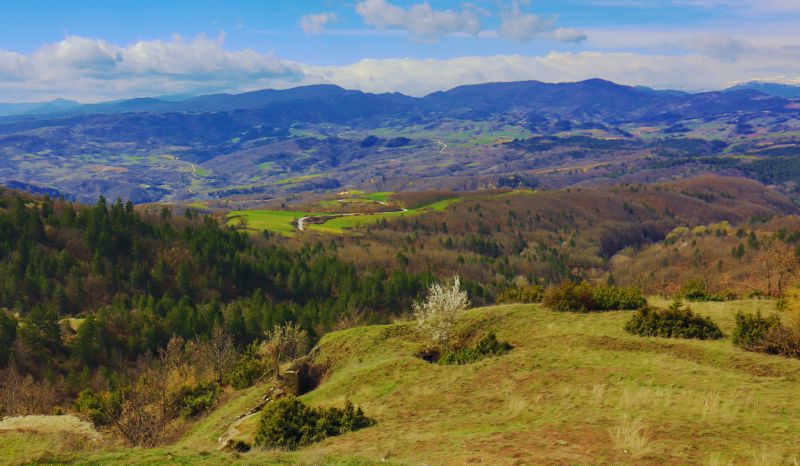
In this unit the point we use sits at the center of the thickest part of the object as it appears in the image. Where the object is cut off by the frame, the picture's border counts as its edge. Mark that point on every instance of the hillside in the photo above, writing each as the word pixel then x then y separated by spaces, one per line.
pixel 575 389
pixel 495 238
pixel 278 143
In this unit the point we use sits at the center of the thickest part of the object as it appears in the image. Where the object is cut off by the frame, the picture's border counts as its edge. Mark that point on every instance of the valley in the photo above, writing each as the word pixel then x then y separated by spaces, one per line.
pixel 322 139
pixel 619 265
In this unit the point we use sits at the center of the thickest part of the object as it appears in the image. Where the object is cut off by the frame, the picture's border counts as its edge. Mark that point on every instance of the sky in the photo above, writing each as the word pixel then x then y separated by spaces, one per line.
pixel 112 49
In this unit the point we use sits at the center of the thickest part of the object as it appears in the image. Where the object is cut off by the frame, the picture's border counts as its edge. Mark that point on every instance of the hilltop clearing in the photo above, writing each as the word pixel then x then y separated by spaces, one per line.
pixel 576 388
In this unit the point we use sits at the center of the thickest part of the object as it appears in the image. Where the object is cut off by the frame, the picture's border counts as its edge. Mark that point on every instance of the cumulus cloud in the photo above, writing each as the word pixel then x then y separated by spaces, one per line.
pixel 421 20
pixel 92 69
pixel 424 22
pixel 719 46
pixel 688 72
pixel 525 27
pixel 315 24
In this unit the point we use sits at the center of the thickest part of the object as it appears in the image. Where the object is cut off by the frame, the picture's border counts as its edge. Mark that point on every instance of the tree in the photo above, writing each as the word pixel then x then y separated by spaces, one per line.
pixel 41 329
pixel 137 413
pixel 779 264
pixel 436 315
pixel 287 341
pixel 21 395
pixel 8 333
pixel 219 351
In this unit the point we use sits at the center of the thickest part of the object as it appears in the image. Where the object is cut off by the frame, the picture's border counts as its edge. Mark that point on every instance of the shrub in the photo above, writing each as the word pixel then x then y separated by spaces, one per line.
pixel 695 290
pixel 516 294
pixel 289 424
pixel 437 314
pixel 487 346
pixel 767 335
pixel 194 401
pixel 615 298
pixel 675 322
pixel 89 404
pixel 569 296
pixel 781 339
pixel 751 328
pixel 248 369
pixel 582 297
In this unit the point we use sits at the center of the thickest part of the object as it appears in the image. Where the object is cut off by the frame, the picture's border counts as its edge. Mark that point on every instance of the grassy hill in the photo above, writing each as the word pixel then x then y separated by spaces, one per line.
pixel 575 389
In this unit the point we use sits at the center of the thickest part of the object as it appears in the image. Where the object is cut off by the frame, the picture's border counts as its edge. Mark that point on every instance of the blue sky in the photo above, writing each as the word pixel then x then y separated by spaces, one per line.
pixel 98 50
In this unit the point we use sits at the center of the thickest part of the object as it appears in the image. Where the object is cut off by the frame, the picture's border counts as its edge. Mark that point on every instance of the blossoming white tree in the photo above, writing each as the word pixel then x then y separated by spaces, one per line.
pixel 437 314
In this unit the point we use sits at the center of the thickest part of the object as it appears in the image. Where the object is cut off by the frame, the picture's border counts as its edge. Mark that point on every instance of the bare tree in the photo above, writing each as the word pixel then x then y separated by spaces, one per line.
pixel 286 342
pixel 22 395
pixel 139 412
pixel 219 352
pixel 779 263
pixel 437 314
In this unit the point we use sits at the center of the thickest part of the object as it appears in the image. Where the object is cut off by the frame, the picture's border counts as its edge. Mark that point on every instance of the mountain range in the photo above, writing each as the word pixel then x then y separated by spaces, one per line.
pixel 324 137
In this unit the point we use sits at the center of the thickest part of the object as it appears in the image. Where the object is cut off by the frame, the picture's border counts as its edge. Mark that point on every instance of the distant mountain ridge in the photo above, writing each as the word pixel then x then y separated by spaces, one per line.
pixel 589 99
pixel 786 91
pixel 313 138
pixel 33 108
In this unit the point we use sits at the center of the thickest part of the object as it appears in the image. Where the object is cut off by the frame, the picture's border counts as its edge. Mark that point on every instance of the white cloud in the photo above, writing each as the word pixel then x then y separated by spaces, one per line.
pixel 688 72
pixel 93 69
pixel 424 22
pixel 421 20
pixel 719 46
pixel 525 27
pixel 315 24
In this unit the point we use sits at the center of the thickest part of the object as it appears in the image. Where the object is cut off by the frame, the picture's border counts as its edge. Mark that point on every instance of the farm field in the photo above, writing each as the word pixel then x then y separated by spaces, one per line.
pixel 275 221
pixel 340 225
pixel 284 221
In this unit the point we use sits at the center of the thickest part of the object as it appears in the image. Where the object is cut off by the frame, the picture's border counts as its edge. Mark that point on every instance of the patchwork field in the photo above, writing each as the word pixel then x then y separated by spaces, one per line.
pixel 275 221
pixel 285 221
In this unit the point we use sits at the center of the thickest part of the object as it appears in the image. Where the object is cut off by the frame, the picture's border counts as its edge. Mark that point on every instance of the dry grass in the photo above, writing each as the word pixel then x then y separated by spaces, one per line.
pixel 559 397
pixel 629 436
pixel 41 424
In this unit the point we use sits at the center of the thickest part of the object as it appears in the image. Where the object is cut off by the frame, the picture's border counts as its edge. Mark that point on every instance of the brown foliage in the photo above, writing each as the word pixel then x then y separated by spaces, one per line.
pixel 22 395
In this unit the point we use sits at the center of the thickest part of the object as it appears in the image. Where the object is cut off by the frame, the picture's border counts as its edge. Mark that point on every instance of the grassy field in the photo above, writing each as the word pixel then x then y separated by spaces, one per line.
pixel 276 221
pixel 342 224
pixel 576 389
pixel 284 221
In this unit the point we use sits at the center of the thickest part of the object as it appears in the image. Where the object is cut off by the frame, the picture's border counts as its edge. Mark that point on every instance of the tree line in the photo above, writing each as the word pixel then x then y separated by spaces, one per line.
pixel 88 292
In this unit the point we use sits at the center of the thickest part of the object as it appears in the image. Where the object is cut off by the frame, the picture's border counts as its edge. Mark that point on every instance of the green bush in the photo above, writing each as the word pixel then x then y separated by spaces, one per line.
pixel 675 322
pixel 249 369
pixel 487 346
pixel 695 290
pixel 569 296
pixel 767 335
pixel 608 298
pixel 751 329
pixel 289 424
pixel 582 297
pixel 194 401
pixel 516 294
pixel 89 404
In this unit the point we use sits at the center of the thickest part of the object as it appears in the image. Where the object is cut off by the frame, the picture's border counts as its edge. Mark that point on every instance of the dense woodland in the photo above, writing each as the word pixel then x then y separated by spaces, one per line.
pixel 129 280
pixel 113 310
pixel 658 237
